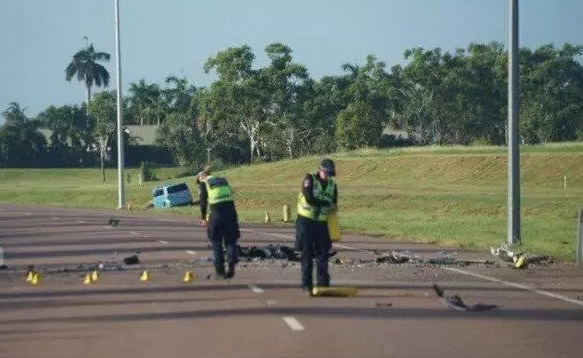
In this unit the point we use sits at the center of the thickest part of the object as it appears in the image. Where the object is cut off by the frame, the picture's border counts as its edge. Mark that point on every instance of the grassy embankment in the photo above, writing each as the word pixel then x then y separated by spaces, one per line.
pixel 449 195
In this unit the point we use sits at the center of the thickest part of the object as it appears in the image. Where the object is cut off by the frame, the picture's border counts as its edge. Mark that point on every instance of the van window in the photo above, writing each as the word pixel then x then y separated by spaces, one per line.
pixel 177 188
pixel 159 192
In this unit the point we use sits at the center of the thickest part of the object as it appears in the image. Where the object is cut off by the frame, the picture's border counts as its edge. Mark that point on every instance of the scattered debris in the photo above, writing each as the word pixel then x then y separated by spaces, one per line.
pixel 131 260
pixel 456 303
pixel 381 304
pixel 278 252
pixel 518 259
pixel 113 222
pixel 394 257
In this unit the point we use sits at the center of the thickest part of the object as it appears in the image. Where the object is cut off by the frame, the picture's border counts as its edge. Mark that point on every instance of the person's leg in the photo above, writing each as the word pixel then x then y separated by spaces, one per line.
pixel 322 252
pixel 232 235
pixel 215 236
pixel 307 249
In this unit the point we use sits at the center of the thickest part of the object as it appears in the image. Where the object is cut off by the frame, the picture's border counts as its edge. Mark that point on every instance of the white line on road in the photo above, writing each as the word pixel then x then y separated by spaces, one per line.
pixel 191 252
pixel 293 324
pixel 256 289
pixel 517 285
pixel 271 302
pixel 28 214
pixel 134 233
pixel 483 277
pixel 164 242
pixel 80 221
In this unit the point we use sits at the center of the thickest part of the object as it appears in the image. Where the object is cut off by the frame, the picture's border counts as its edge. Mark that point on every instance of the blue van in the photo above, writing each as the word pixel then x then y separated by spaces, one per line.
pixel 168 195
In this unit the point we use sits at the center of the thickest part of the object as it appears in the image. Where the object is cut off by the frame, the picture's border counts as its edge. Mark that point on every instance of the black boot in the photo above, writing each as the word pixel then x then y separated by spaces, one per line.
pixel 231 270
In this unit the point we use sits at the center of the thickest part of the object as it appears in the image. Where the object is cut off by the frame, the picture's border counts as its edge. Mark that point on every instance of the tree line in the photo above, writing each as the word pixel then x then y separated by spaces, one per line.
pixel 279 111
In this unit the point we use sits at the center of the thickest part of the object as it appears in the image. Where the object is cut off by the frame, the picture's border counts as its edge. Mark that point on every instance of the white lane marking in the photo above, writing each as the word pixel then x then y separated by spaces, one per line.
pixel 517 285
pixel 167 220
pixel 191 252
pixel 256 289
pixel 80 221
pixel 483 277
pixel 134 233
pixel 55 218
pixel 28 214
pixel 271 302
pixel 164 242
pixel 293 324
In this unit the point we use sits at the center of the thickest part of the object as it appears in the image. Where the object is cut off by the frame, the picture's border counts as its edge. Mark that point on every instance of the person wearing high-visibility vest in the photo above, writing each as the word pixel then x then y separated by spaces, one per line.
pixel 318 197
pixel 219 215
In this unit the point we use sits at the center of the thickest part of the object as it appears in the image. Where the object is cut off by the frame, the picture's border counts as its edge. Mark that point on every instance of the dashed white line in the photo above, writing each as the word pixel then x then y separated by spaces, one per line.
pixel 293 324
pixel 163 242
pixel 134 233
pixel 191 252
pixel 517 285
pixel 256 289
pixel 271 302
pixel 80 221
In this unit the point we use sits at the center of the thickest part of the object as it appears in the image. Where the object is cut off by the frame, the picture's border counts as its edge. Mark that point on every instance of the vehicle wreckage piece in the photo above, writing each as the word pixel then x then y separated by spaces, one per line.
pixel 456 303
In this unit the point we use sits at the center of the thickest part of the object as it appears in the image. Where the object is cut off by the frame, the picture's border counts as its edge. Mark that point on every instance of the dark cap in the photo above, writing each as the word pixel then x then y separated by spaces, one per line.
pixel 327 165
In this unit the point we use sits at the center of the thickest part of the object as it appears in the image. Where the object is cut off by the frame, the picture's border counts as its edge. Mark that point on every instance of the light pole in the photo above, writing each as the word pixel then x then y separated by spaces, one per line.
pixel 120 146
pixel 513 144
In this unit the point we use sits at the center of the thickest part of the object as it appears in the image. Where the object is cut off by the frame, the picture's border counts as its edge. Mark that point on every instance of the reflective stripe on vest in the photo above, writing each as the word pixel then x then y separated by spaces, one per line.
pixel 218 190
pixel 316 213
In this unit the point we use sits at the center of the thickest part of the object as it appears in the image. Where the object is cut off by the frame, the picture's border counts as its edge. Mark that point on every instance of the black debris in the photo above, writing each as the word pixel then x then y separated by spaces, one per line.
pixel 277 252
pixel 131 260
pixel 456 303
pixel 113 222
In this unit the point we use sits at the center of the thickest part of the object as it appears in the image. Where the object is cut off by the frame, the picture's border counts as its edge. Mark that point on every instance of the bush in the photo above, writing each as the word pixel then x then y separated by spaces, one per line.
pixel 147 172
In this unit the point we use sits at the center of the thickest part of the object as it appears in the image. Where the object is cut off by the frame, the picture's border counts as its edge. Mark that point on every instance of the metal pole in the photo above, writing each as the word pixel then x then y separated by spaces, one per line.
pixel 580 240
pixel 513 145
pixel 120 145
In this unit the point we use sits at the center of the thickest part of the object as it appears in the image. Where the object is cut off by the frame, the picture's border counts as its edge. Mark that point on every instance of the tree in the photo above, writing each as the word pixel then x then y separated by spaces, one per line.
pixel 104 109
pixel 20 141
pixel 87 69
pixel 237 102
pixel 288 85
pixel 144 102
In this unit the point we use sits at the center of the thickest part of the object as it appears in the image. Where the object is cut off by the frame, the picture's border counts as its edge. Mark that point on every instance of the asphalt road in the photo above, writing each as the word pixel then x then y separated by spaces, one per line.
pixel 262 312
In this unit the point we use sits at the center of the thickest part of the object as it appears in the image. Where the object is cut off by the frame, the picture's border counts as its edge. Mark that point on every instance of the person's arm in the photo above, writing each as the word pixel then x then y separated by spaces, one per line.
pixel 307 191
pixel 203 200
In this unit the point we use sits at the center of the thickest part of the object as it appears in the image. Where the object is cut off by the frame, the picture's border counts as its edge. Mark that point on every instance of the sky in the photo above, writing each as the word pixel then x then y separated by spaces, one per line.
pixel 175 37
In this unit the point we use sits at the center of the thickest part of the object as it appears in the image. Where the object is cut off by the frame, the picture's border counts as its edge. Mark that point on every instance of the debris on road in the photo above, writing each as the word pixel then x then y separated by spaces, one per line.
pixel 456 303
pixel 278 252
pixel 518 259
pixel 132 260
pixel 382 304
pixel 113 222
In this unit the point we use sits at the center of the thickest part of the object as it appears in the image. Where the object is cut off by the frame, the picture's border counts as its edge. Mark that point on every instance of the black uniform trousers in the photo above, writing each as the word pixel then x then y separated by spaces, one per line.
pixel 313 241
pixel 223 229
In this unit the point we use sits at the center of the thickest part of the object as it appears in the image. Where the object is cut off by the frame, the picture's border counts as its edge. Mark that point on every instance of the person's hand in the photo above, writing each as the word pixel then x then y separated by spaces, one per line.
pixel 203 222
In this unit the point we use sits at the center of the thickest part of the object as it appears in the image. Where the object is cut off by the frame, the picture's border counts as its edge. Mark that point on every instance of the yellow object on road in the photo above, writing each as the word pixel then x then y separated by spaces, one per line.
pixel 188 276
pixel 334 227
pixel 334 291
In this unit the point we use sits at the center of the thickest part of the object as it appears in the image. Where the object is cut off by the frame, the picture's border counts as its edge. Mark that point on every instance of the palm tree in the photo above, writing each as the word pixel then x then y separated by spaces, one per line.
pixel 85 65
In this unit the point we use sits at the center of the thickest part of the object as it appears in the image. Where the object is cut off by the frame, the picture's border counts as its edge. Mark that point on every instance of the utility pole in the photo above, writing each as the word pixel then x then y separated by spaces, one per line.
pixel 513 137
pixel 120 145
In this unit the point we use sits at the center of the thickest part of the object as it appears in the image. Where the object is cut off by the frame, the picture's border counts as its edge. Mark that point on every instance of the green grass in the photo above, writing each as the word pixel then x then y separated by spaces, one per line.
pixel 449 195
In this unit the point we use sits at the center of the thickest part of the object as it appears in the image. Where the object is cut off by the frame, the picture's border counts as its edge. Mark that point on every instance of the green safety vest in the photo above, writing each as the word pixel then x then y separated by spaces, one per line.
pixel 316 213
pixel 218 190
